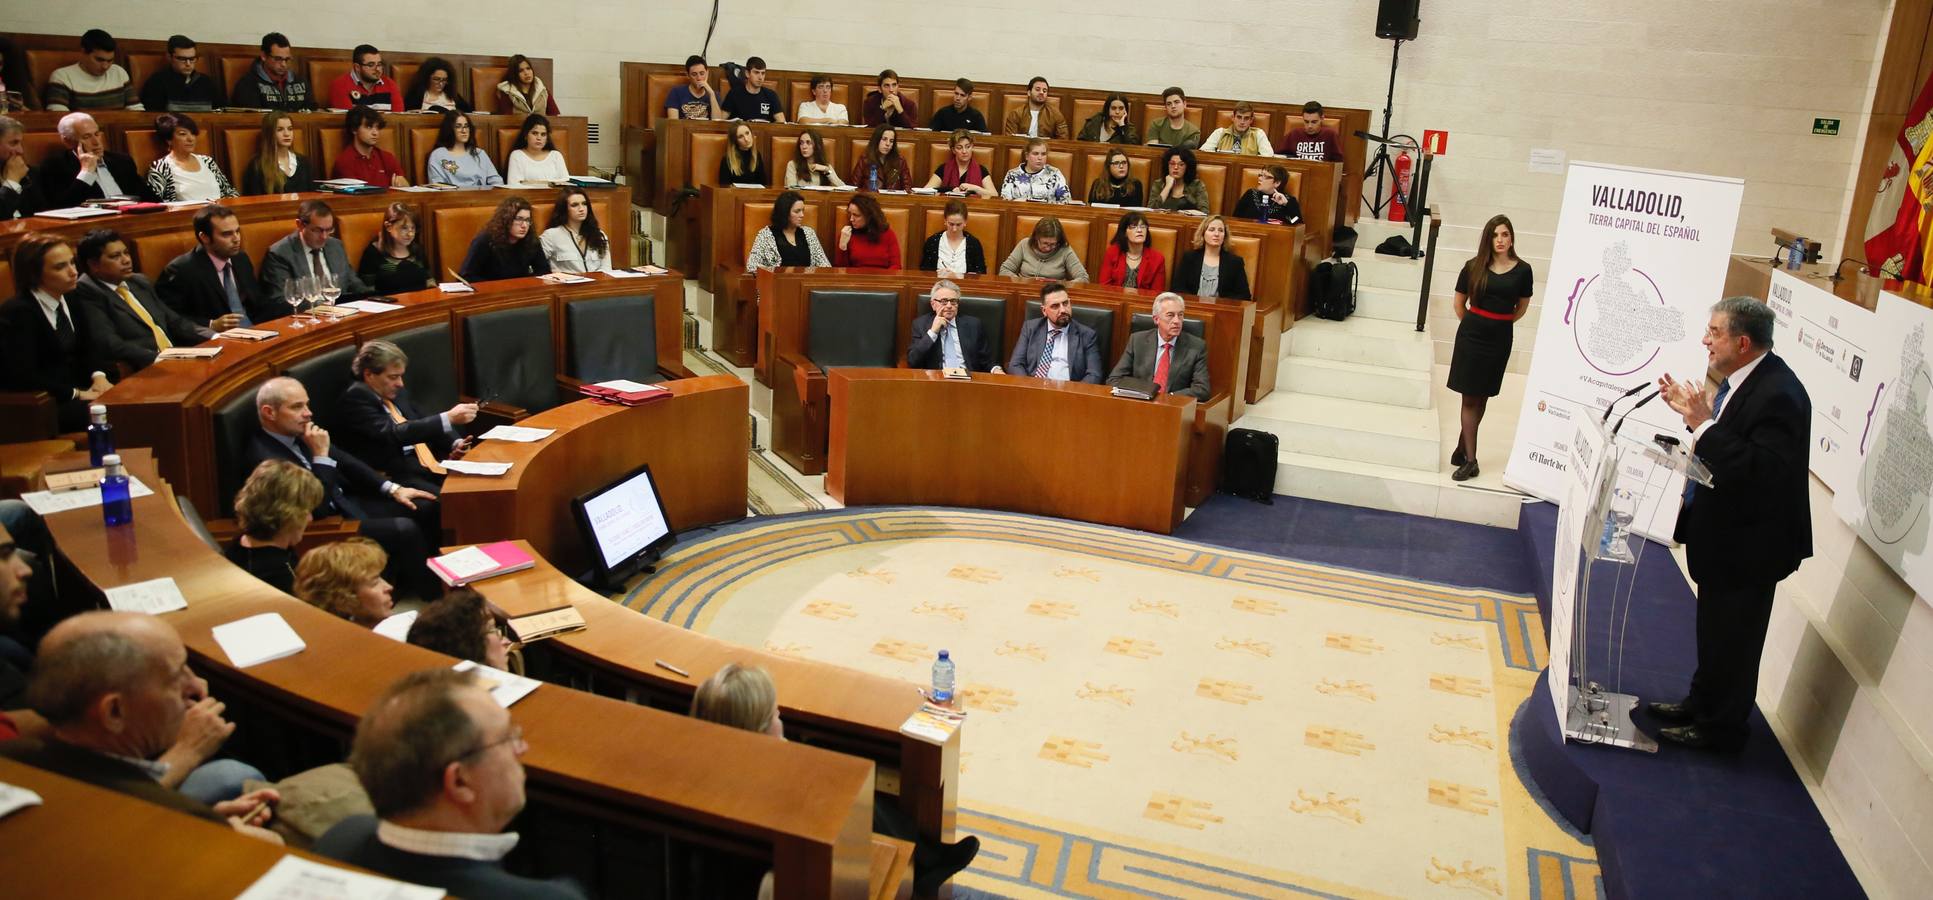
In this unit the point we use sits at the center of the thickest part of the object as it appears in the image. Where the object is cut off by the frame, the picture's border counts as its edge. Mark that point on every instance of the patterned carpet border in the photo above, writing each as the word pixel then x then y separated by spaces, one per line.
pixel 684 583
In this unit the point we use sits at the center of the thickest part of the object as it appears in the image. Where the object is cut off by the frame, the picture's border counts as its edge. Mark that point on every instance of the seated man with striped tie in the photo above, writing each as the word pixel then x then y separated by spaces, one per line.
pixel 376 421
pixel 128 317
pixel 1054 345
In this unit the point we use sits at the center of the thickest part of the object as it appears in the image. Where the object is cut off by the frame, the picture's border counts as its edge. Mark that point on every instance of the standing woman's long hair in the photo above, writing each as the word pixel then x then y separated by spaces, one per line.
pixel 273 180
pixel 1479 265
pixel 560 216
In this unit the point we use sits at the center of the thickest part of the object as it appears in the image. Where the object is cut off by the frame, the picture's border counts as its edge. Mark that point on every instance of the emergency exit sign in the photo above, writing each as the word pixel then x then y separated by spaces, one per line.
pixel 1825 126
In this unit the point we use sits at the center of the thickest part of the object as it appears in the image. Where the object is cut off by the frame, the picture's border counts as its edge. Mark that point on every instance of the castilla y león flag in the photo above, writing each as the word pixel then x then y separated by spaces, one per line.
pixel 1898 226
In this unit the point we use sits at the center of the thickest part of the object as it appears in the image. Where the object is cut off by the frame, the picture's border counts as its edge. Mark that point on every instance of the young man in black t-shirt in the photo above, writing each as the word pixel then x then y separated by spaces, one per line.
pixel 751 100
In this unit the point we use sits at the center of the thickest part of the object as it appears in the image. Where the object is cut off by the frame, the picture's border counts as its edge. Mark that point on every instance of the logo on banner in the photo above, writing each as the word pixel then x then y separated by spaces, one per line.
pixel 1619 317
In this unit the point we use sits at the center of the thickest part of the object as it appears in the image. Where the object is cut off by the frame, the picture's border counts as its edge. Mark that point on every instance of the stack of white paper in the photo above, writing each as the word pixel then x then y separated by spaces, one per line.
pixel 258 639
pixel 47 503
pixel 467 467
pixel 372 306
pixel 14 798
pixel 515 434
pixel 295 878
pixel 396 627
pixel 506 687
pixel 153 597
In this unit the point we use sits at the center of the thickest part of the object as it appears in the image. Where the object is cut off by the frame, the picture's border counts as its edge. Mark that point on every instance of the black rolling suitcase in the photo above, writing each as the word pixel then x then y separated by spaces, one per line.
pixel 1248 464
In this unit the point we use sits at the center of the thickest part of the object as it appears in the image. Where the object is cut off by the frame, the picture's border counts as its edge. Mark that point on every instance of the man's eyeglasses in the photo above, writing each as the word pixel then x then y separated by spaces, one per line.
pixel 186 59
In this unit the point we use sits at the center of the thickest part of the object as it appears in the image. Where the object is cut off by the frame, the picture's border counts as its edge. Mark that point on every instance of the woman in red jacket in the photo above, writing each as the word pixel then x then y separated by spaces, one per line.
pixel 866 242
pixel 1130 261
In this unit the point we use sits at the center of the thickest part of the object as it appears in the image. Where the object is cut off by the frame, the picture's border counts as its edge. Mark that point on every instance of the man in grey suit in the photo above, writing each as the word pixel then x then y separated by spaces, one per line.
pixel 1176 361
pixel 1054 345
pixel 312 251
pixel 128 316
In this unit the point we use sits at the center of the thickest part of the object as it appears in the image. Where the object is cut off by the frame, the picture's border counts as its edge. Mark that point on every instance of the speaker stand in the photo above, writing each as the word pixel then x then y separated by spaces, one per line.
pixel 1380 164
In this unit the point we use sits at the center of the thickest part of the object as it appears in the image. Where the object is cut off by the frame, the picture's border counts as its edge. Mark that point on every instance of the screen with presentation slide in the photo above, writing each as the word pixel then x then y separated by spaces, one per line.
pixel 623 521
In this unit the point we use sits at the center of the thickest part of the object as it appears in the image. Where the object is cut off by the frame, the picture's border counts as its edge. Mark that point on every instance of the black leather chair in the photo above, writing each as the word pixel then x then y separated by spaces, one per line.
pixel 1143 321
pixel 235 421
pixel 507 358
pixel 1099 318
pixel 612 337
pixel 843 328
pixel 431 377
pixel 990 312
pixel 193 517
pixel 326 376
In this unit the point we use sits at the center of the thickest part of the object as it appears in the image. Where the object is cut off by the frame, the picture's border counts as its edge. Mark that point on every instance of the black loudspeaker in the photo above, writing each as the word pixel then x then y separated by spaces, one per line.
pixel 1396 19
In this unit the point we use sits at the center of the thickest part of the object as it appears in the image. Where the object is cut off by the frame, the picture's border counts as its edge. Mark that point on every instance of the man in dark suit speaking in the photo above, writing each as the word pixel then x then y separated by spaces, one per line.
pixel 945 340
pixel 1751 528
pixel 1054 345
pixel 1174 360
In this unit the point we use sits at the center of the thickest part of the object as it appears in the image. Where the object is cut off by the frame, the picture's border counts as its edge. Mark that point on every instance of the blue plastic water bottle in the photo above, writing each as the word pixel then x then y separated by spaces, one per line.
pixel 943 679
pixel 117 508
pixel 100 435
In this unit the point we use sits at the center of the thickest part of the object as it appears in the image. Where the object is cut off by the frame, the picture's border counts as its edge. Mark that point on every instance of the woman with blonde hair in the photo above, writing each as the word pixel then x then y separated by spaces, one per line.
pixel 273 508
pixel 277 168
pixel 742 163
pixel 346 579
pixel 961 172
pixel 1210 270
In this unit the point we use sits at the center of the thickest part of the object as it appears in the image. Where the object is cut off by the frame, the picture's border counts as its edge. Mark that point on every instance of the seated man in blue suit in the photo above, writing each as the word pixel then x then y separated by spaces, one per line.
pixel 1054 345
pixel 378 422
pixel 1176 361
pixel 944 340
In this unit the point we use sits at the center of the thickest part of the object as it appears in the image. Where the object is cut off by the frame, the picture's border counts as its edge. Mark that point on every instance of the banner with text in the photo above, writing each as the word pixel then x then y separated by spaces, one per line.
pixel 1640 257
pixel 1830 345
pixel 1891 440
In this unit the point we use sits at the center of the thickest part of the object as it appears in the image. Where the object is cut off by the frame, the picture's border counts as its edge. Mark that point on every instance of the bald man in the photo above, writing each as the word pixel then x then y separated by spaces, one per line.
pixel 119 698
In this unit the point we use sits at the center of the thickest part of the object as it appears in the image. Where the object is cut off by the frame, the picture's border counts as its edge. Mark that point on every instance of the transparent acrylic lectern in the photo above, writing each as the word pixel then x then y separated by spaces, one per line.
pixel 1625 477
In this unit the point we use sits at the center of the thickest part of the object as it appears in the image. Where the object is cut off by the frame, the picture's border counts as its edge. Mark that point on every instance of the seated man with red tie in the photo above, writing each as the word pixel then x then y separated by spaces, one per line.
pixel 128 316
pixel 1176 361
pixel 376 421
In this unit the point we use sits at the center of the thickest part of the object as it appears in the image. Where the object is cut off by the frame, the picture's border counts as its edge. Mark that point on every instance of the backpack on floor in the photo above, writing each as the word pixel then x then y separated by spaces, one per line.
pixel 1332 289
pixel 1248 464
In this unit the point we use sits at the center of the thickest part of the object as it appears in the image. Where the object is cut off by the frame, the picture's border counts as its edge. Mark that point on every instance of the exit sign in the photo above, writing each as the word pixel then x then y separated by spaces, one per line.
pixel 1825 126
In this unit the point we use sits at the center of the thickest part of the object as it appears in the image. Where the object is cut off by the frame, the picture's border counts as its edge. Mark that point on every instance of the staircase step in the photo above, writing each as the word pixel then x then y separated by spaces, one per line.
pixel 1388 304
pixel 1355 381
pixel 1370 232
pixel 1383 271
pixel 1377 433
pixel 1390 488
pixel 1363 340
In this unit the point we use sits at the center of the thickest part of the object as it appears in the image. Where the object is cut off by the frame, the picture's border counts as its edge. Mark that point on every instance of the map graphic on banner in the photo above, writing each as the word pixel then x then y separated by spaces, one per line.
pixel 1830 345
pixel 1887 501
pixel 1640 258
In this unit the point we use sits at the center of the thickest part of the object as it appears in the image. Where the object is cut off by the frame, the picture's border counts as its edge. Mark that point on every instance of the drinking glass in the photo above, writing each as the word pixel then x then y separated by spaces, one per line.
pixel 293 291
pixel 331 289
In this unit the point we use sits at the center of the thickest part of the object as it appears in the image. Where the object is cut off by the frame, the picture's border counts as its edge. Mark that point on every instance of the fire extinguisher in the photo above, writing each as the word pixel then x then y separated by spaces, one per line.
pixel 1399 192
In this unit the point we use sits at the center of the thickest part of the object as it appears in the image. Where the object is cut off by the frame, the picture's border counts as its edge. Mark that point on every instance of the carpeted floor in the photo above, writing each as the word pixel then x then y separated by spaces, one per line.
pixel 1156 716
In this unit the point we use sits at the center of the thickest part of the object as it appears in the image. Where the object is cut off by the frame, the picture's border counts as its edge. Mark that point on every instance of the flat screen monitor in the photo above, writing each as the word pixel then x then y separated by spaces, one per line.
pixel 624 525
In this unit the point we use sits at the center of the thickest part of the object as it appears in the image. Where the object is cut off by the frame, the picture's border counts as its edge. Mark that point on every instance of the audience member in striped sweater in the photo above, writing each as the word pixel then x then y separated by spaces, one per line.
pixel 95 82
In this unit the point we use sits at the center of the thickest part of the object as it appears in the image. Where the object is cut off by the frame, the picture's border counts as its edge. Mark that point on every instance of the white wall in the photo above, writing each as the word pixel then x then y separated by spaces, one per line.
pixel 1702 86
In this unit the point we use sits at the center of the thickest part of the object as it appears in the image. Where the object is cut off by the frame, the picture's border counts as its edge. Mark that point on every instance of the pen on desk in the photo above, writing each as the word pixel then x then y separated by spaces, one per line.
pixel 671 668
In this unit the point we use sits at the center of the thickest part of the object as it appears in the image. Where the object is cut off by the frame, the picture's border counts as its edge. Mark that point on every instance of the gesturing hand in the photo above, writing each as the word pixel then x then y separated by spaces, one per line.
pixel 1686 400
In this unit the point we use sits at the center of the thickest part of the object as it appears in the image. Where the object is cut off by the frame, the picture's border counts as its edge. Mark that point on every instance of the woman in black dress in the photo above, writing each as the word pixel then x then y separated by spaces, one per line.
pixel 1492 293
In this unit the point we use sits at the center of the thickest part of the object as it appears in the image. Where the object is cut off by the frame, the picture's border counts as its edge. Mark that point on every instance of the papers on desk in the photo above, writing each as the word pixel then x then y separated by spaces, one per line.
pixel 183 204
pixel 247 334
pixel 295 878
pixel 370 306
pixel 566 278
pixel 546 623
pixel 396 627
pixel 594 181
pixel 504 686
pixel 209 352
pixel 650 269
pixel 77 480
pixel 155 597
pixel 956 373
pixel 47 502
pixel 332 313
pixel 73 213
pixel 748 187
pixel 623 273
pixel 14 799
pixel 454 287
pixel 467 467
pixel 342 182
pixel 258 639
pixel 415 189
pixel 517 434
pixel 932 724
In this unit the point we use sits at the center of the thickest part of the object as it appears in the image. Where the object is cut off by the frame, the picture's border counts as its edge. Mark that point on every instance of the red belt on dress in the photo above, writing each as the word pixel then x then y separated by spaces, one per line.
pixel 1501 317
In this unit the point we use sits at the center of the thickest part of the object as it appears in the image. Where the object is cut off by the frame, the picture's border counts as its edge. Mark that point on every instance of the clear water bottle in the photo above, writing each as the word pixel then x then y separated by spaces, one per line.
pixel 117 508
pixel 100 435
pixel 1796 257
pixel 872 180
pixel 943 679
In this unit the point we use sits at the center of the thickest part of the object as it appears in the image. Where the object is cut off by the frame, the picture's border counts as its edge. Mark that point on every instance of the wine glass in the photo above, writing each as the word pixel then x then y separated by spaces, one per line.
pixel 293 291
pixel 331 288
pixel 312 294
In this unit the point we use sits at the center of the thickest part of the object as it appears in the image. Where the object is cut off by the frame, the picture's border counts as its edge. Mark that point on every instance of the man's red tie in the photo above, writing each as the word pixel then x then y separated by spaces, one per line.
pixel 1161 371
